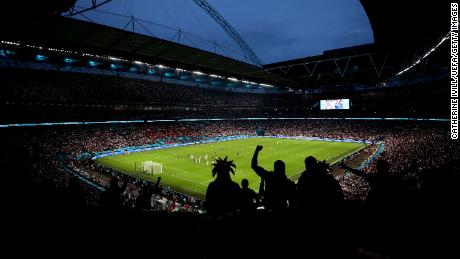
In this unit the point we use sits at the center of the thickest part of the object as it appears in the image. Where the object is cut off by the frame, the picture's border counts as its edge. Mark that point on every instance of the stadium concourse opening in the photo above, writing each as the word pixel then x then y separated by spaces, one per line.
pixel 116 138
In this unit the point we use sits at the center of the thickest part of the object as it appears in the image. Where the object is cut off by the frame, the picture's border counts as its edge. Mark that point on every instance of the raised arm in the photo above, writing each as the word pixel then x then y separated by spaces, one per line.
pixel 254 165
pixel 156 187
pixel 354 171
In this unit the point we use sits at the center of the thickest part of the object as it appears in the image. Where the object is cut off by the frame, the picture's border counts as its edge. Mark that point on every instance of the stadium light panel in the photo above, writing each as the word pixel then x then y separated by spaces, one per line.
pixel 151 69
pixel 10 43
pixel 40 57
pixel 424 56
pixel 69 60
pixel 266 85
pixel 215 76
pixel 92 63
pixel 114 59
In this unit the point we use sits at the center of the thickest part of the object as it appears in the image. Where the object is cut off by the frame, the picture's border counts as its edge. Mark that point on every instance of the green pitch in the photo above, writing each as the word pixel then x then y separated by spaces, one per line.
pixel 192 176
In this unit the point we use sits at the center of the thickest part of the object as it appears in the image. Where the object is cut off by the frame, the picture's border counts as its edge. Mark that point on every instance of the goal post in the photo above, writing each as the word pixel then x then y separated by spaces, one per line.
pixel 150 167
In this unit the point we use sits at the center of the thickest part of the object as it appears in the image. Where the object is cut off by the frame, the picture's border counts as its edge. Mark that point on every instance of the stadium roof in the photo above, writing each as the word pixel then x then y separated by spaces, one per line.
pixel 83 36
pixel 275 30
pixel 400 26
pixel 402 34
pixel 402 38
pixel 347 66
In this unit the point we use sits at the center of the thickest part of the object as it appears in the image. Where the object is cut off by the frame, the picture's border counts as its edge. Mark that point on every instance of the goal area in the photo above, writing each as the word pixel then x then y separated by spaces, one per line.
pixel 148 167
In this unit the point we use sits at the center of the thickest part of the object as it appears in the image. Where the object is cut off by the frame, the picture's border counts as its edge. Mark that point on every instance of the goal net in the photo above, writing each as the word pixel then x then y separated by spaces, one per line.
pixel 150 167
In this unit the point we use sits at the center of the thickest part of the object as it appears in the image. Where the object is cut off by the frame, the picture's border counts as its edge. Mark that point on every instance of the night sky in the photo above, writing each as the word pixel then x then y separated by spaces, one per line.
pixel 275 30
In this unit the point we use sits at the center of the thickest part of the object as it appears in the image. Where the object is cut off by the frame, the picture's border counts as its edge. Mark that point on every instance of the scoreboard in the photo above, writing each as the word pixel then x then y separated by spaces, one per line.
pixel 335 104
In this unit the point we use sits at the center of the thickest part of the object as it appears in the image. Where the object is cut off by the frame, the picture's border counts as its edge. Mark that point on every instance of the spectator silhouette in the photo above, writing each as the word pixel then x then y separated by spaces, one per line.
pixel 223 194
pixel 157 187
pixel 248 197
pixel 111 199
pixel 317 187
pixel 261 194
pixel 385 188
pixel 279 190
pixel 146 191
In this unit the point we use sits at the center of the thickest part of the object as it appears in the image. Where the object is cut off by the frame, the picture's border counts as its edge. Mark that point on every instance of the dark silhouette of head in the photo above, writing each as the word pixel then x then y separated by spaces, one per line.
pixel 310 163
pixel 245 183
pixel 279 167
pixel 223 168
pixel 222 195
pixel 383 167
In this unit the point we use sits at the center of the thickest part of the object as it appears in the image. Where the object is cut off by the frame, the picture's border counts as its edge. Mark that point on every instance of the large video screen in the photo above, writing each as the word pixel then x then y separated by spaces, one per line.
pixel 337 104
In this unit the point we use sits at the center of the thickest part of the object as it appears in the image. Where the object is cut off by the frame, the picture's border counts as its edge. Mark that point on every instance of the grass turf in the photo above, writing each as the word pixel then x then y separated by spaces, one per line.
pixel 183 175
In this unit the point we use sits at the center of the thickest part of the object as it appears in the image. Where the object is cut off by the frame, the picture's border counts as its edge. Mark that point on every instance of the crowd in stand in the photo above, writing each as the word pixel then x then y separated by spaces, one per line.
pixel 78 87
pixel 410 148
pixel 78 95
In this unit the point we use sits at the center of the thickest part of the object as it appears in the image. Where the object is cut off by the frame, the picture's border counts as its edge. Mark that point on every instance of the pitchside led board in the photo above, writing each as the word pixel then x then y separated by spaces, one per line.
pixel 337 104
